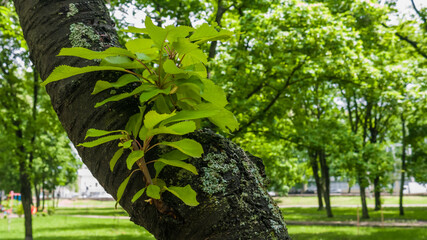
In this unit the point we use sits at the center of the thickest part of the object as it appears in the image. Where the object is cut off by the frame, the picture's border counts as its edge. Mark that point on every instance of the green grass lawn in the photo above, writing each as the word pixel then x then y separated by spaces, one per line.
pixel 61 228
pixel 347 233
pixel 350 200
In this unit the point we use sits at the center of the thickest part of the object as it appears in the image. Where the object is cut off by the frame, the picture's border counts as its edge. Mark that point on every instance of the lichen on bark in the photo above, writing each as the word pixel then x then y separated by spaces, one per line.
pixel 72 10
pixel 80 34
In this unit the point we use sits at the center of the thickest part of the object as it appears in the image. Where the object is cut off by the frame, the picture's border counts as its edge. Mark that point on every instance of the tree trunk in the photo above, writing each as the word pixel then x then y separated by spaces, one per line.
pixel 37 192
pixel 234 204
pixel 57 198
pixel 326 182
pixel 24 177
pixel 365 213
pixel 377 192
pixel 44 196
pixel 315 168
pixel 52 198
pixel 403 171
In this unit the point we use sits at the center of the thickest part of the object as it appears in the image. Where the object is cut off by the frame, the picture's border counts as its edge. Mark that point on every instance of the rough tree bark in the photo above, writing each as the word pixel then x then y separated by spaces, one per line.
pixel 234 203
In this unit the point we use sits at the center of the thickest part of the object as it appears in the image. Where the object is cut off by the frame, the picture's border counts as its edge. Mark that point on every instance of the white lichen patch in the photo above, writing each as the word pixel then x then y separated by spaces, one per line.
pixel 72 10
pixel 213 175
pixel 80 34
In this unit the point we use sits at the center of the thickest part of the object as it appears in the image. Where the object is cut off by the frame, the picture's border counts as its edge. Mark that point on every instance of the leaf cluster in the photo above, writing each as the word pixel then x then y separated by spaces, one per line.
pixel 170 78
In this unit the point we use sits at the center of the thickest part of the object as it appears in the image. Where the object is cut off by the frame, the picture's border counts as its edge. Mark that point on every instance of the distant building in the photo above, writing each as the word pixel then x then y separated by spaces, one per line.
pixel 88 186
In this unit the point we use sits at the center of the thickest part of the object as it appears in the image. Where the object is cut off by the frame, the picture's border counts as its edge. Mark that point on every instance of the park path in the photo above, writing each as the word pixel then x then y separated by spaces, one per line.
pixel 350 206
pixel 422 224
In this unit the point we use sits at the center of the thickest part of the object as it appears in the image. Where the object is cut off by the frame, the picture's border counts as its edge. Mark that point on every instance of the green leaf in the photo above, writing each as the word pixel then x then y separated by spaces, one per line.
pixel 190 115
pixel 175 33
pixel 198 69
pixel 139 45
pixel 122 187
pixel 181 164
pixel 135 121
pixel 208 33
pixel 184 46
pixel 157 34
pixel 92 132
pixel 224 119
pixel 118 61
pixel 186 194
pixel 89 54
pixel 143 48
pixel 159 182
pixel 138 195
pixel 158 166
pixel 170 67
pixel 192 80
pixel 203 31
pixel 62 72
pixel 214 94
pixel 147 95
pixel 123 95
pixel 174 155
pixel 136 30
pixel 153 191
pixel 152 118
pixel 127 144
pixel 100 141
pixel 122 81
pixel 115 158
pixel 162 104
pixel 187 146
pixel 194 57
pixel 133 157
pixel 181 128
pixel 188 93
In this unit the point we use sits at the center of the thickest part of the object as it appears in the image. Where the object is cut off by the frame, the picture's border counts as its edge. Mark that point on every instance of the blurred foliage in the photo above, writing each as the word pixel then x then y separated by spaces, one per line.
pixel 307 76
pixel 29 129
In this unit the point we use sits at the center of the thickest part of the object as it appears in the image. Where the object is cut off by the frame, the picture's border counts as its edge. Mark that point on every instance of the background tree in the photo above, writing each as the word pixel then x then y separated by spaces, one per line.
pixel 26 118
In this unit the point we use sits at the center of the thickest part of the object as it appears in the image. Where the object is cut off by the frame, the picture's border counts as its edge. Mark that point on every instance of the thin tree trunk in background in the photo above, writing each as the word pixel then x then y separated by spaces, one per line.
pixel 44 197
pixel 315 168
pixel 212 49
pixel 24 176
pixel 403 171
pixel 365 213
pixel 52 198
pixel 326 182
pixel 377 192
pixel 37 192
pixel 57 198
